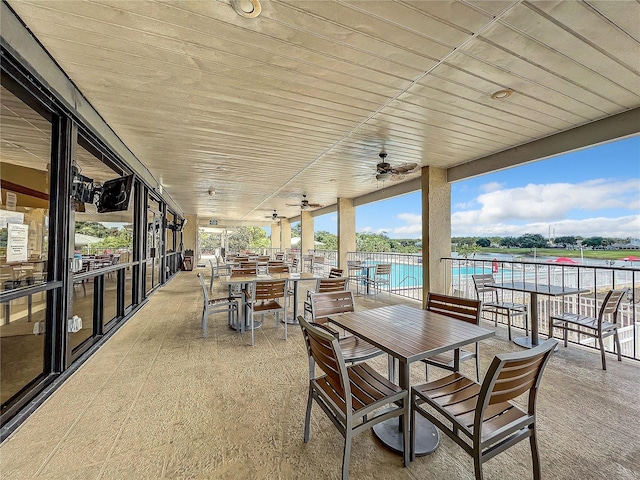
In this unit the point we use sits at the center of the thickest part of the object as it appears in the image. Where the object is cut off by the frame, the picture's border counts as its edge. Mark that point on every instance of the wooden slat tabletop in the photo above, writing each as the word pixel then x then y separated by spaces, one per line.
pixel 410 334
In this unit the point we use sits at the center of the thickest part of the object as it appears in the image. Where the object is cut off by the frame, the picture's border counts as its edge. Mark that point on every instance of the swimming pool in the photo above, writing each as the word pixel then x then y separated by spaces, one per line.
pixel 405 275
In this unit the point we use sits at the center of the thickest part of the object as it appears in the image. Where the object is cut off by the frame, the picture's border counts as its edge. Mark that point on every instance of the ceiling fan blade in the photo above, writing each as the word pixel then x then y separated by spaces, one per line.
pixel 405 168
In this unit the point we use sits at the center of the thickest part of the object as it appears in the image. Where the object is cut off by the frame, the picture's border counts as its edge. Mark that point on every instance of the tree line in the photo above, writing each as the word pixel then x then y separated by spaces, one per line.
pixel 531 240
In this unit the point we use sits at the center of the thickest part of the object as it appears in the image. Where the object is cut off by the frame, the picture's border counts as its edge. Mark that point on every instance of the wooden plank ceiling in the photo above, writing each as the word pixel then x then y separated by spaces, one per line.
pixel 301 99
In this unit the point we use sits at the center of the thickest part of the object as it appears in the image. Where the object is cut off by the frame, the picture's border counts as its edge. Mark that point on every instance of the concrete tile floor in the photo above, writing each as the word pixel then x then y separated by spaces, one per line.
pixel 159 401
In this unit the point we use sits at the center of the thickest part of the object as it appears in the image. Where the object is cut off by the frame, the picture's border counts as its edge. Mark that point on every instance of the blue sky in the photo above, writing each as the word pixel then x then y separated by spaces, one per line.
pixel 590 192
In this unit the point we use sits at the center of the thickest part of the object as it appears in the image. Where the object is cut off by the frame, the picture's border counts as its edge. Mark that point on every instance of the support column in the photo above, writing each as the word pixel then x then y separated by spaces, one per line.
pixel 436 230
pixel 190 235
pixel 306 240
pixel 285 230
pixel 276 242
pixel 346 230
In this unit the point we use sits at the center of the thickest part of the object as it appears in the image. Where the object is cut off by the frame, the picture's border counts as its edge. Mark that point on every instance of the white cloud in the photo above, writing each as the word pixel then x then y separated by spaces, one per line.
pixel 620 227
pixel 549 202
pixel 536 208
pixel 491 187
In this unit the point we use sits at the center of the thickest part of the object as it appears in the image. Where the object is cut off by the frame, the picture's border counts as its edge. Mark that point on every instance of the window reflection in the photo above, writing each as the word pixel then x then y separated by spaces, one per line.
pixel 25 153
pixel 102 241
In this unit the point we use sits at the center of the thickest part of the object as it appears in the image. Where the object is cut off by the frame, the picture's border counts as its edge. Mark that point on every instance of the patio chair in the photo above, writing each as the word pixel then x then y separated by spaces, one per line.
pixel 462 309
pixel 481 418
pixel 294 264
pixel 317 264
pixel 324 285
pixel 355 275
pixel 351 396
pixel 325 305
pixel 264 298
pixel 335 272
pixel 495 305
pixel 591 326
pixel 380 278
pixel 218 267
pixel 216 305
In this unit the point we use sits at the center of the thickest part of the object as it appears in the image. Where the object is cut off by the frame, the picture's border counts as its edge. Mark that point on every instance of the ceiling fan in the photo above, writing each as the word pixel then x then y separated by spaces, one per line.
pixel 274 216
pixel 304 204
pixel 385 171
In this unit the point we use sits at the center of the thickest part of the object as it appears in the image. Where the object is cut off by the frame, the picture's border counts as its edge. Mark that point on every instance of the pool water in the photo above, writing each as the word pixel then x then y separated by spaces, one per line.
pixel 410 275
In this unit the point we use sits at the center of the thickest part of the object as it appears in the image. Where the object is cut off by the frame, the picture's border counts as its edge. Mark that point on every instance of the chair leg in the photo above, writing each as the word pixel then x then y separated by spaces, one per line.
pixel 535 455
pixel 347 453
pixel 205 321
pixel 616 338
pixel 477 363
pixel 412 428
pixel 509 324
pixel 602 353
pixel 477 462
pixel 426 372
pixel 307 418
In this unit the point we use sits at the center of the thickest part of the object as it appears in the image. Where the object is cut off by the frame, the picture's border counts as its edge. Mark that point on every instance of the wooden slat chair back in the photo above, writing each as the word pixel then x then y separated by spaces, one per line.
pixel 596 327
pixel 249 264
pixel 279 256
pixel 215 305
pixel 241 272
pixel 381 278
pixel 267 297
pixel 335 272
pixel 463 309
pixel 325 285
pixel 491 302
pixel 481 418
pixel 278 268
pixel 325 305
pixel 351 396
pixel 355 274
pixel 294 264
pixel 317 264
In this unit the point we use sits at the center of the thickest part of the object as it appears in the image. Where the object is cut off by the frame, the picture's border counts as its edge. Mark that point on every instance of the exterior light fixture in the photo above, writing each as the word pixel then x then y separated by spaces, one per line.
pixel 212 192
pixel 502 94
pixel 247 8
pixel 383 177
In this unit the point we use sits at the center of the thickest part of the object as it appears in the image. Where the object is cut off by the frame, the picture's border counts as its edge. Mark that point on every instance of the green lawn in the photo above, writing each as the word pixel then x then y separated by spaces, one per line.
pixel 558 252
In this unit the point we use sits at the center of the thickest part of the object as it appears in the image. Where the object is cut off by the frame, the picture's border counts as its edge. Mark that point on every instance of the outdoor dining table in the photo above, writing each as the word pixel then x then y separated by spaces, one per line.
pixel 534 289
pixel 295 279
pixel 409 334
pixel 245 280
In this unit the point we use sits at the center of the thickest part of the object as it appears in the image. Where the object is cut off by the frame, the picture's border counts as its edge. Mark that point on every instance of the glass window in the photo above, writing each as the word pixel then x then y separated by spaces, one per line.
pixel 25 155
pixel 102 239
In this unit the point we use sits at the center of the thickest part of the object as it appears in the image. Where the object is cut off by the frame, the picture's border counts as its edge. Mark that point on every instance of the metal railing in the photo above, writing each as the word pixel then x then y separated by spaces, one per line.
pixel 596 279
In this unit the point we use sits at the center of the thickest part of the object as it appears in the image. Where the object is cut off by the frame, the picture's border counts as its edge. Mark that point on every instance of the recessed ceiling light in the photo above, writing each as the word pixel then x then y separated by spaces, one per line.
pixel 502 94
pixel 247 8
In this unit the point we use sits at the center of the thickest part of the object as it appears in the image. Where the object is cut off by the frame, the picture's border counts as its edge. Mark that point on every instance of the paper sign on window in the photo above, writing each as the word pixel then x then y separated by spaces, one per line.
pixel 17 237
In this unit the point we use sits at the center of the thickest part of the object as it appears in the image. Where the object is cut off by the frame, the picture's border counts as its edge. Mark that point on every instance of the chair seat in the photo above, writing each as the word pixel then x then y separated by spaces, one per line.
pixel 268 305
pixel 582 321
pixel 221 301
pixel 517 307
pixel 368 387
pixel 355 349
pixel 447 358
pixel 456 397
